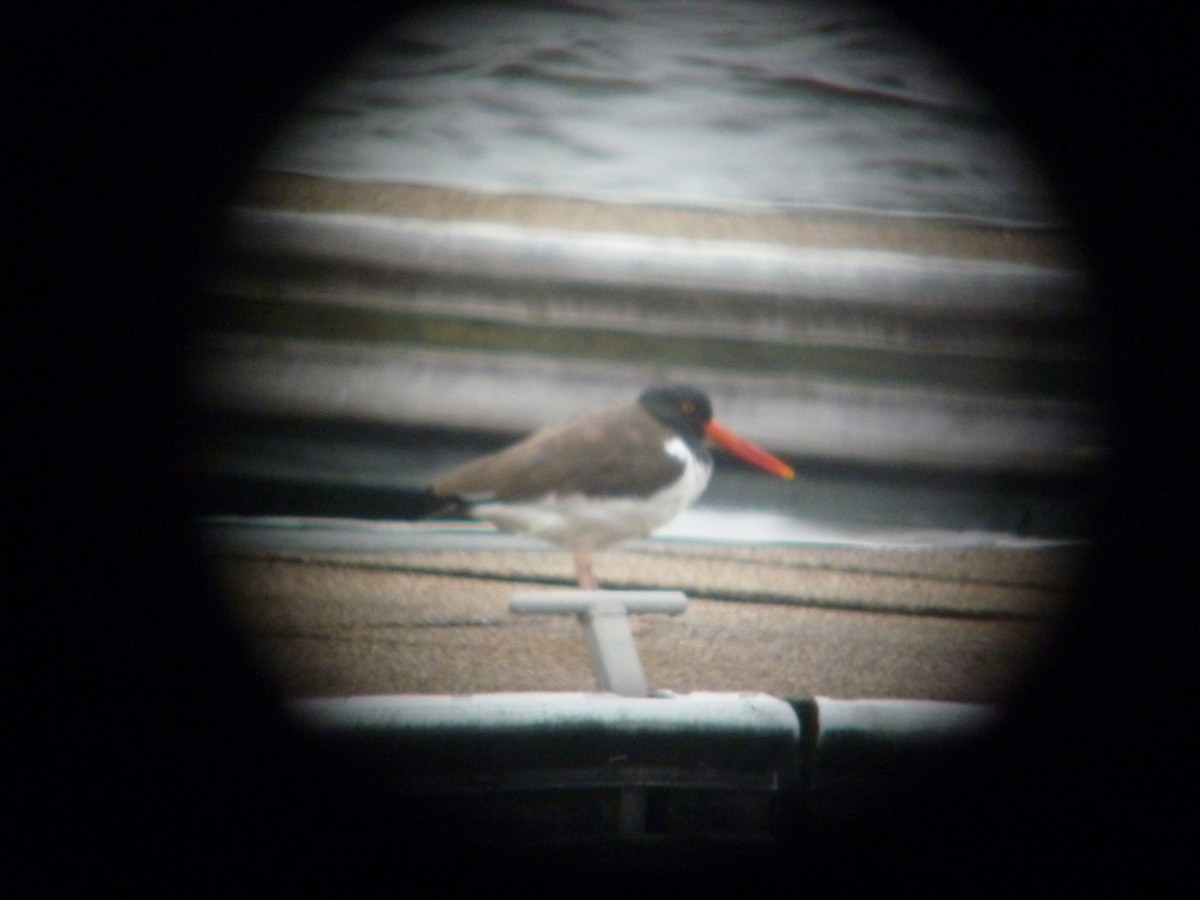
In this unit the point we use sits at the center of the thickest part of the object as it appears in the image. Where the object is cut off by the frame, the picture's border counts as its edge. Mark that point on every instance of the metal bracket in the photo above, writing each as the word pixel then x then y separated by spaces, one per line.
pixel 604 616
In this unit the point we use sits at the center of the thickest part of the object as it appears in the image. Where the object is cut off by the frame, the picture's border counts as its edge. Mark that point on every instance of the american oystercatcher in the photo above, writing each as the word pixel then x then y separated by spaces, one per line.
pixel 603 477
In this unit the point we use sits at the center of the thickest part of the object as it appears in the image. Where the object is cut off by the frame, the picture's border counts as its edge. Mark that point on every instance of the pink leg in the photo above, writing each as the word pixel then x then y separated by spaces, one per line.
pixel 583 568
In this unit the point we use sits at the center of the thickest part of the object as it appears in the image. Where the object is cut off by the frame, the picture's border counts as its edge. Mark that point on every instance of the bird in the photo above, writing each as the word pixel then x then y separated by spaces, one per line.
pixel 602 477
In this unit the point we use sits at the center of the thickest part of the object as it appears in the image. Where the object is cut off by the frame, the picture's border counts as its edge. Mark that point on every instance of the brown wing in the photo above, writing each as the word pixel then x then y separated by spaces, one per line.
pixel 613 453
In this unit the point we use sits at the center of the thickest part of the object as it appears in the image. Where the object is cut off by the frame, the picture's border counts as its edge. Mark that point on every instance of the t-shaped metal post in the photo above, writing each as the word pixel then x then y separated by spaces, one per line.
pixel 604 616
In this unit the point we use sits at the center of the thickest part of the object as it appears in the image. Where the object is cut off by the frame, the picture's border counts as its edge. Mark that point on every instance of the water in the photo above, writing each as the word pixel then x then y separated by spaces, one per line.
pixel 343 470
pixel 716 103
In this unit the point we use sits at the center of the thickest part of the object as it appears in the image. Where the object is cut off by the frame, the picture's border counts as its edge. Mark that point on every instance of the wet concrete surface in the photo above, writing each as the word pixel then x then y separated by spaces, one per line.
pixel 922 622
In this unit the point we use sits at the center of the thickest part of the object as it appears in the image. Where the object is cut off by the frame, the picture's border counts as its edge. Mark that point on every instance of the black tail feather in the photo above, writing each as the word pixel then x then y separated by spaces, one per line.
pixel 437 506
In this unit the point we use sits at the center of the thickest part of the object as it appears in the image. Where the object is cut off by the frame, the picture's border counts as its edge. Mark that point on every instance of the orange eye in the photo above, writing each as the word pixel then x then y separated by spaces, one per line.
pixel 688 406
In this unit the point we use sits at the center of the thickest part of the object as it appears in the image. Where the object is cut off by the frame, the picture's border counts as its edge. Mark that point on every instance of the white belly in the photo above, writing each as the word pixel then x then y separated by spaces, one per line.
pixel 599 521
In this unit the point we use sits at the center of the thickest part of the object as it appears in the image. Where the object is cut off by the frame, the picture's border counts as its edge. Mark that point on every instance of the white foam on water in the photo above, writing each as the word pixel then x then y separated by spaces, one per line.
pixel 736 527
pixel 696 525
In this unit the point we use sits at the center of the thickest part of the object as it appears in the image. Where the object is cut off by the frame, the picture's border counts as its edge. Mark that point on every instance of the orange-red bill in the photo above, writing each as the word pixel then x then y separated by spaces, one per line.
pixel 751 453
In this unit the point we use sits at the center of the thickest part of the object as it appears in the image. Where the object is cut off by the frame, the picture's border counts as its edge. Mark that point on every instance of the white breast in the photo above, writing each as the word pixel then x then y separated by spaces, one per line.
pixel 599 521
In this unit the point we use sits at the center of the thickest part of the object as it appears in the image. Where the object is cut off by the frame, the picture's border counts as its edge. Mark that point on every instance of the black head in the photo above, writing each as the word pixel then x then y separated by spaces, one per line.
pixel 680 407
